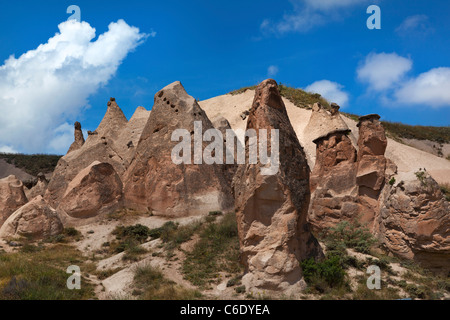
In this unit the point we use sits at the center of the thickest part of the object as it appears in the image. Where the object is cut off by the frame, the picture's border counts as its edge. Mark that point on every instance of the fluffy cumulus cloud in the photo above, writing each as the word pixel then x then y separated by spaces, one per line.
pixel 331 91
pixel 386 74
pixel 307 14
pixel 429 88
pixel 43 88
pixel 382 70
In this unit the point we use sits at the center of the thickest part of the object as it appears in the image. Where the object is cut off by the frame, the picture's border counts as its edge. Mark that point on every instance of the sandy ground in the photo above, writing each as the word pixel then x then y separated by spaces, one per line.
pixel 406 157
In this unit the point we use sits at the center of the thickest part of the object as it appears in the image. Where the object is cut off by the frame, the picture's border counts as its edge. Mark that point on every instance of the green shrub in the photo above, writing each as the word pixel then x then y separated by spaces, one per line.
pixel 349 235
pixel 137 232
pixel 163 231
pixel 392 181
pixel 324 274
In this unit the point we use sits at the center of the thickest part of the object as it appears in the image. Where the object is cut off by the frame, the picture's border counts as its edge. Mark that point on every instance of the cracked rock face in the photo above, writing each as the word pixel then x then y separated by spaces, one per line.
pixel 415 223
pixel 95 190
pixel 35 220
pixel 271 210
pixel 154 182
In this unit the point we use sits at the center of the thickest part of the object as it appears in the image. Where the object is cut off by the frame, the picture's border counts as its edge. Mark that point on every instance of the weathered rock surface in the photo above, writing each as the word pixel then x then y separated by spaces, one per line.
pixel 333 178
pixel 35 220
pixel 113 143
pixel 94 190
pixel 323 123
pixel 415 221
pixel 12 197
pixel 40 187
pixel 272 209
pixel 372 138
pixel 154 182
pixel 79 138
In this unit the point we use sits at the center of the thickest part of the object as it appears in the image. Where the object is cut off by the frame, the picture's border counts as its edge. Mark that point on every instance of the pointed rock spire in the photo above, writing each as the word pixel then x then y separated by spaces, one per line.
pixel 272 209
pixel 154 182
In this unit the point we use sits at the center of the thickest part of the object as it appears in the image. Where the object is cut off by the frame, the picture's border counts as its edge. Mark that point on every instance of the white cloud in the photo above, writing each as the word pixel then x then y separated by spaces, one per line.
pixel 429 88
pixel 7 149
pixel 331 91
pixel 272 71
pixel 45 87
pixel 383 70
pixel 415 25
pixel 308 14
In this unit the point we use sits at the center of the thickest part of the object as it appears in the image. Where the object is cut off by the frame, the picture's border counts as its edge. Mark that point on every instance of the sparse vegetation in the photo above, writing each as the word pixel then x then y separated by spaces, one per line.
pixel 322 276
pixel 400 130
pixel 349 235
pixel 151 284
pixel 32 164
pixel 303 99
pixel 217 251
pixel 445 188
pixel 41 274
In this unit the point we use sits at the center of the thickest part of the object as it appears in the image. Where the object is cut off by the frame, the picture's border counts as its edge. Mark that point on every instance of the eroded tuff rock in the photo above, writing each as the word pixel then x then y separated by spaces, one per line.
pixel 40 187
pixel 414 221
pixel 94 190
pixel 12 197
pixel 154 182
pixel 113 143
pixel 79 138
pixel 271 210
pixel 35 220
pixel 333 178
pixel 372 145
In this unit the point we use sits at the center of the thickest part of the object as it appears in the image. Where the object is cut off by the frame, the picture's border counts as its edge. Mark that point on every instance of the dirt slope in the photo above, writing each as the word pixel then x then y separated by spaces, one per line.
pixel 406 157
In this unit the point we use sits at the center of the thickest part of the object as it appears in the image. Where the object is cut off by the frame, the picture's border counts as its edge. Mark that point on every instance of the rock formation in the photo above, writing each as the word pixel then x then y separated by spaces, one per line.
pixel 333 178
pixel 40 187
pixel 79 138
pixel 35 220
pixel 272 209
pixel 94 190
pixel 154 182
pixel 12 197
pixel 414 221
pixel 110 144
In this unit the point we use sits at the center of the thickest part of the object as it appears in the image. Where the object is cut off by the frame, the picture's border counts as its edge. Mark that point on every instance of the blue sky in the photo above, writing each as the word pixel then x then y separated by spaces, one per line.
pixel 401 72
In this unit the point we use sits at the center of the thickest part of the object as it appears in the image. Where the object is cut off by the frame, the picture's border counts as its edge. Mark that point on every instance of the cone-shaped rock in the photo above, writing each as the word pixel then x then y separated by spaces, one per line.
pixel 272 209
pixel 102 145
pixel 154 182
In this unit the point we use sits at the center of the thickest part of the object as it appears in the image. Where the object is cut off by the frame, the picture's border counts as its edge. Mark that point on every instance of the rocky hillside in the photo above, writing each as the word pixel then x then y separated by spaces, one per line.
pixel 344 197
